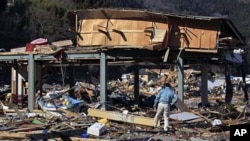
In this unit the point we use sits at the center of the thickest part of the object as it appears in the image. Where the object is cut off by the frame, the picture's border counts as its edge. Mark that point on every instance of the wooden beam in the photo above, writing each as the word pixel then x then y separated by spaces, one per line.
pixel 63 43
pixel 126 118
pixel 201 50
pixel 12 135
pixel 21 110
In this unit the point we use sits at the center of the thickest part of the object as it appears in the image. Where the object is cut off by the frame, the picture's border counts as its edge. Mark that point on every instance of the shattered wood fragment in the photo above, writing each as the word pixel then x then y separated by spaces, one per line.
pixel 20 110
pixel 18 122
pixel 34 126
pixel 49 116
pixel 219 128
pixel 72 127
pixel 12 112
pixel 182 106
pixel 207 119
pixel 231 115
pixel 55 127
pixel 69 113
pixel 195 120
pixel 230 122
pixel 26 129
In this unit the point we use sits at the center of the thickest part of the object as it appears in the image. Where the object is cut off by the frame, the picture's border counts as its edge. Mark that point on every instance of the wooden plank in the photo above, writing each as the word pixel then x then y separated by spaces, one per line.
pixel 12 135
pixel 207 119
pixel 21 110
pixel 112 30
pixel 130 32
pixel 26 129
pixel 63 43
pixel 126 118
pixel 18 122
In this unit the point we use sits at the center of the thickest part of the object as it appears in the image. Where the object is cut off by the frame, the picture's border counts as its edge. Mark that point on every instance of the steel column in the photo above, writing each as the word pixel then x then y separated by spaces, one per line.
pixel 180 78
pixel 31 93
pixel 103 82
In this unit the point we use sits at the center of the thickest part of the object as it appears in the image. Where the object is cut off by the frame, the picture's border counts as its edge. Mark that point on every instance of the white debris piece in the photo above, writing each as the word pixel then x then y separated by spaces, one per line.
pixel 96 129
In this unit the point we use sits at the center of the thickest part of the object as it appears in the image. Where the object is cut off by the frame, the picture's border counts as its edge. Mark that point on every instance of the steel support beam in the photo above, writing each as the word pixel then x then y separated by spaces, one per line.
pixel 71 56
pixel 103 70
pixel 180 78
pixel 12 57
pixel 31 58
pixel 31 81
pixel 75 56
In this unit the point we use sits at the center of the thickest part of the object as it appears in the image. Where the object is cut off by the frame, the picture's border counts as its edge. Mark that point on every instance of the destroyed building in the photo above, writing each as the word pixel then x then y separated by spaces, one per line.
pixel 166 43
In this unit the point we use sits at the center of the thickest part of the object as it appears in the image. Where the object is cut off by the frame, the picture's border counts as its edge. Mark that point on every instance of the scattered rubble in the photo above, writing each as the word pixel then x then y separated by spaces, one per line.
pixel 61 116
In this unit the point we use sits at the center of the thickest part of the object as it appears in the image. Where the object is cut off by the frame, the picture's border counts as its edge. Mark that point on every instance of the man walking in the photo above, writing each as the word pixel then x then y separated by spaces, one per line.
pixel 164 99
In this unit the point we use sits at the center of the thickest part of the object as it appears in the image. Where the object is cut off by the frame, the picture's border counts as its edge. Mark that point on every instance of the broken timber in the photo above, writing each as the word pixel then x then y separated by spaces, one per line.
pixel 182 106
pixel 12 135
pixel 69 113
pixel 127 118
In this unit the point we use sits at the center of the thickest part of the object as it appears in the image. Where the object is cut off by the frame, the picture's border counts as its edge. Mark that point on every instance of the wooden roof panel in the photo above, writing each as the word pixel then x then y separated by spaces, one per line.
pixel 145 15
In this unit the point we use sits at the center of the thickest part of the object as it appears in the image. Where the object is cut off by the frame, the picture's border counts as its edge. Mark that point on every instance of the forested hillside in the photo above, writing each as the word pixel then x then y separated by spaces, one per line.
pixel 26 20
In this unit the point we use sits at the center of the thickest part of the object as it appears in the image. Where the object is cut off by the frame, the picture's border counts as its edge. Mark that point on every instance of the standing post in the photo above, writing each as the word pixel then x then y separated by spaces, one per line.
pixel 103 71
pixel 180 79
pixel 31 70
pixel 204 87
pixel 136 85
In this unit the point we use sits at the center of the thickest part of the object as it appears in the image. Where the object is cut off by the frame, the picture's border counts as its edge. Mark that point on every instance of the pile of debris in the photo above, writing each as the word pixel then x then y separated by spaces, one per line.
pixel 118 124
pixel 81 116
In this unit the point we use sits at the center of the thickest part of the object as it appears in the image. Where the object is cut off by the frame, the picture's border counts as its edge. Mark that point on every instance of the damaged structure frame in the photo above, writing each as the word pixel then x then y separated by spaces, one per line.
pixel 107 36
